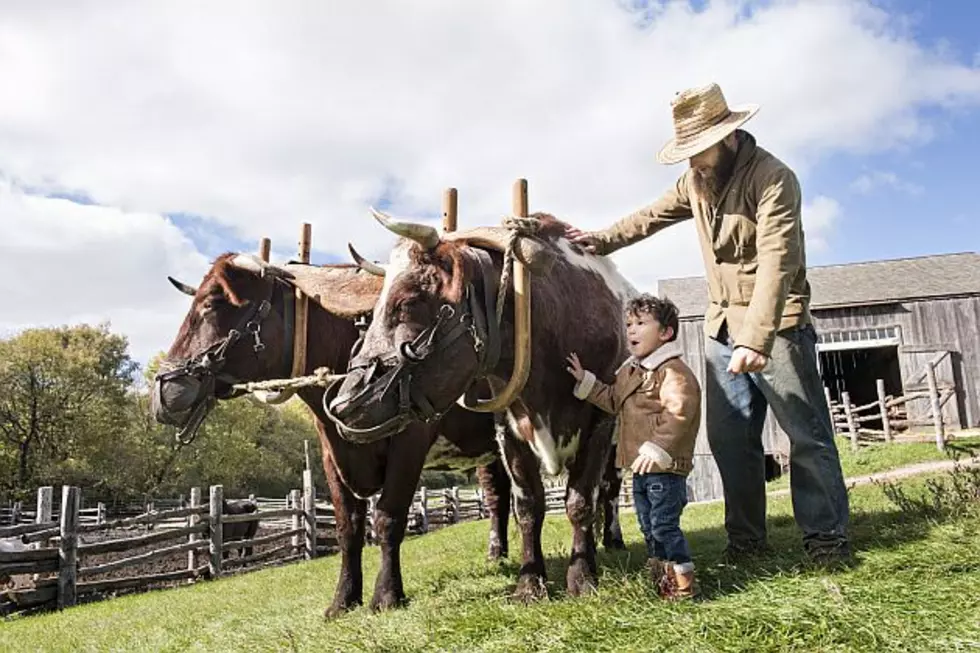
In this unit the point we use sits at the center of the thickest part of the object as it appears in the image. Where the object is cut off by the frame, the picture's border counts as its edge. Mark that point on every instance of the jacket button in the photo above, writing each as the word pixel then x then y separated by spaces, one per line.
pixel 724 303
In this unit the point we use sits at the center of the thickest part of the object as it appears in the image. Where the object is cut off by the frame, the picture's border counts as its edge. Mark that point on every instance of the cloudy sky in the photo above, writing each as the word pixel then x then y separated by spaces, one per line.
pixel 142 139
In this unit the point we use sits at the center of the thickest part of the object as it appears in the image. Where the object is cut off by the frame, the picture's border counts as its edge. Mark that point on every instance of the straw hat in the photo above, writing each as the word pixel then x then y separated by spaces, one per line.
pixel 702 118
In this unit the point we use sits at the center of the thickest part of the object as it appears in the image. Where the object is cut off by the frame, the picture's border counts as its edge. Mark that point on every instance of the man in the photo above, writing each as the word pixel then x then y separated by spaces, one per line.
pixel 760 349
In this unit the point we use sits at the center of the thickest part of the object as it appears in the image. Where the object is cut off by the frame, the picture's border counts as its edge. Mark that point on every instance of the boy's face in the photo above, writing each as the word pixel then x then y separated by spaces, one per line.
pixel 644 335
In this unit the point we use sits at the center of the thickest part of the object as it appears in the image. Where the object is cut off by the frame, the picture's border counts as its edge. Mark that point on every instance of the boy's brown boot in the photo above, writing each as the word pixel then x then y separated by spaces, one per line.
pixel 677 586
pixel 656 568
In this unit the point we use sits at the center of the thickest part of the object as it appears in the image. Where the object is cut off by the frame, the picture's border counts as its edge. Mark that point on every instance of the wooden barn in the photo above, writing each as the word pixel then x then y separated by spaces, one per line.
pixel 877 320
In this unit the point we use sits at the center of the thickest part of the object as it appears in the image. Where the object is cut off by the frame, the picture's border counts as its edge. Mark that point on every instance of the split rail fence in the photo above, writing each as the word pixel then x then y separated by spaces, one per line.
pixel 892 412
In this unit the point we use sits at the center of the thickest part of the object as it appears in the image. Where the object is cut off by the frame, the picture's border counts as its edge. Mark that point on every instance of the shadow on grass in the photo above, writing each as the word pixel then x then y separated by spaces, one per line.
pixel 869 531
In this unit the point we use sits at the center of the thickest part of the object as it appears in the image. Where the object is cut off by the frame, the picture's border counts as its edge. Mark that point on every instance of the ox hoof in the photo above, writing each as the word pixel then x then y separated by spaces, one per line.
pixel 581 582
pixel 530 588
pixel 339 609
pixel 614 544
pixel 388 601
pixel 496 554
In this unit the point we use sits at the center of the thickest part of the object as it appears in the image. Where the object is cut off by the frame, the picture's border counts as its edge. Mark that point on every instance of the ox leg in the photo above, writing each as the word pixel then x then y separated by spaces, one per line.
pixel 496 491
pixel 580 502
pixel 406 456
pixel 612 483
pixel 529 504
pixel 349 514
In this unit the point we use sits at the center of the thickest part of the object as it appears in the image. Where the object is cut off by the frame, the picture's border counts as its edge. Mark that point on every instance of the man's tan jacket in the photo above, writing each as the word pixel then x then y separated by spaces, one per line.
pixel 658 404
pixel 752 243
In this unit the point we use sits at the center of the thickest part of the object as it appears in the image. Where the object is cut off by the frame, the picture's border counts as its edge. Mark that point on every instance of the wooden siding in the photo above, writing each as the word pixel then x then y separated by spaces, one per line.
pixel 927 327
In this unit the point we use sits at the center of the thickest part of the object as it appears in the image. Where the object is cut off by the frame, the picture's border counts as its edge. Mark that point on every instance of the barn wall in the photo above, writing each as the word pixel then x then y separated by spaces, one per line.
pixel 926 327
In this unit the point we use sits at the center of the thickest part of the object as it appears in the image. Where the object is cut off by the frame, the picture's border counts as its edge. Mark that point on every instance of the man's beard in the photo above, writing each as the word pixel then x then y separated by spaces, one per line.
pixel 710 181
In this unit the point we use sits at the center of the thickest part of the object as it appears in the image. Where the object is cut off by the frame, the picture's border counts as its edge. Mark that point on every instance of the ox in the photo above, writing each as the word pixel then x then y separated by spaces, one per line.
pixel 432 340
pixel 244 297
pixel 242 530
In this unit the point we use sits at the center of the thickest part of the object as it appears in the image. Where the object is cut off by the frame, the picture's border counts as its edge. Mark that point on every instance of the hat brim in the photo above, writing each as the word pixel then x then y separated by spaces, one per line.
pixel 673 152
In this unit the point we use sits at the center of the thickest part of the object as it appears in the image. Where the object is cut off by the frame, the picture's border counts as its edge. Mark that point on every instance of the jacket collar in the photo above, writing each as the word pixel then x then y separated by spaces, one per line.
pixel 666 352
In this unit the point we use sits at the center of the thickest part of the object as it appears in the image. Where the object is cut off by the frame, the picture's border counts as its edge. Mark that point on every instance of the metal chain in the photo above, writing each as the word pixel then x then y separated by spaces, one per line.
pixel 519 226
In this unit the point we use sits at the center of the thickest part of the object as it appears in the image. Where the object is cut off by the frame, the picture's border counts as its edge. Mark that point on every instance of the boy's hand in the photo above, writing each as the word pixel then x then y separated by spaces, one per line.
pixel 644 465
pixel 575 367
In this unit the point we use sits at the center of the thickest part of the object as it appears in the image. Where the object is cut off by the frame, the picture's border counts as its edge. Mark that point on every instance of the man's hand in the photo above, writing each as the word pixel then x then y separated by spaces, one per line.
pixel 575 367
pixel 583 239
pixel 746 360
pixel 644 465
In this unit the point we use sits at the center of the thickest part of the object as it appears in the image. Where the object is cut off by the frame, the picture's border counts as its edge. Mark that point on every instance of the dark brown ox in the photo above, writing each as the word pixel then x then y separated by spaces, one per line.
pixel 239 531
pixel 230 291
pixel 415 345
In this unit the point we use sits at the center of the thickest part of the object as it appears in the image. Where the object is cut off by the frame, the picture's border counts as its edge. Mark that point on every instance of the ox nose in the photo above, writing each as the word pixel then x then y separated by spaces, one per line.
pixel 172 401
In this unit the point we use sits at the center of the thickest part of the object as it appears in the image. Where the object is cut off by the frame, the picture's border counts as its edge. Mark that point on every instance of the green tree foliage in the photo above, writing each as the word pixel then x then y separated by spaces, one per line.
pixel 74 409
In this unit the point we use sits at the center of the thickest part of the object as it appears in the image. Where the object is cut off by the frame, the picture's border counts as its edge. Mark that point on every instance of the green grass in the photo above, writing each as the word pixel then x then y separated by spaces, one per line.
pixel 914 587
pixel 880 457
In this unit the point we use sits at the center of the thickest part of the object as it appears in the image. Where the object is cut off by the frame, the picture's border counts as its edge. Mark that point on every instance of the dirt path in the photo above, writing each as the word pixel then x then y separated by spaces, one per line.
pixel 899 472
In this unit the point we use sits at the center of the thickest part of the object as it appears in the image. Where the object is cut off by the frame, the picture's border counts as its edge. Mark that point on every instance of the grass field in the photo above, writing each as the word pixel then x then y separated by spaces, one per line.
pixel 880 457
pixel 913 588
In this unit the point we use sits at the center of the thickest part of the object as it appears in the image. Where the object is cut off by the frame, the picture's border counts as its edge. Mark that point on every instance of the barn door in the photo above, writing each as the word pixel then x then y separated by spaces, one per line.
pixel 915 361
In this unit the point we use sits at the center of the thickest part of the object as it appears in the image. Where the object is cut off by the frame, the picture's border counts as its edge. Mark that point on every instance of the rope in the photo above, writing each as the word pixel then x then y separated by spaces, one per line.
pixel 519 226
pixel 322 376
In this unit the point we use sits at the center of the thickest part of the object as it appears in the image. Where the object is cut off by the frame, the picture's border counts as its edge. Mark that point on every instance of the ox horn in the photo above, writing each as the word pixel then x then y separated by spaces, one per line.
pixel 182 287
pixel 424 235
pixel 253 263
pixel 365 264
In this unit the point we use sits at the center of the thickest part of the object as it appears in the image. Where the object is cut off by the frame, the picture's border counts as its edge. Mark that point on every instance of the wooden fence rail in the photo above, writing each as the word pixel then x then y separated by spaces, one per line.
pixel 891 412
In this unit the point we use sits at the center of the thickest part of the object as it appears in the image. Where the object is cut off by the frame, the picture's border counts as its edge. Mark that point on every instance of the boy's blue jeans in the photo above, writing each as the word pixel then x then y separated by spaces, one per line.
pixel 659 499
pixel 735 411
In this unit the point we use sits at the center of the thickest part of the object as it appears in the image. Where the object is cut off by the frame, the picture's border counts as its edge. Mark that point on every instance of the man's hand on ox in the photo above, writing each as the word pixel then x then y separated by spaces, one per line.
pixel 583 239
pixel 747 360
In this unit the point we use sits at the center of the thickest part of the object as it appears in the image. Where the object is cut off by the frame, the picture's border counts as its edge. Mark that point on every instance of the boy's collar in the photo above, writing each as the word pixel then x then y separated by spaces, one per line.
pixel 666 351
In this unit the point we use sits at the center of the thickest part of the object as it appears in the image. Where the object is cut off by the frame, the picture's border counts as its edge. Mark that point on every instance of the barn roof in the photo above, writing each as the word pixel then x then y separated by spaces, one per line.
pixel 859 284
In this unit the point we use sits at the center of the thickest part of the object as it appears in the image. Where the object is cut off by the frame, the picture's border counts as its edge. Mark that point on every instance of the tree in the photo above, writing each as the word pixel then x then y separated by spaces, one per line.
pixel 59 388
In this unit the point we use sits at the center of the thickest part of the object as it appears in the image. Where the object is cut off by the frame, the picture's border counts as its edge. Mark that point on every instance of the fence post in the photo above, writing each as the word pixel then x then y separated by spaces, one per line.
pixel 296 504
pixel 193 520
pixel 937 411
pixel 424 499
pixel 68 549
pixel 454 495
pixel 479 501
pixel 42 514
pixel 851 428
pixel 214 530
pixel 100 514
pixel 15 513
pixel 830 409
pixel 883 407
pixel 309 507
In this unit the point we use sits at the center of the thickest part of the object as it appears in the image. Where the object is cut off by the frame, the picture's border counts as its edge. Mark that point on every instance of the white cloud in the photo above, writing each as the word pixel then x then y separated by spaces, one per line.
pixel 64 263
pixel 820 217
pixel 260 119
pixel 870 181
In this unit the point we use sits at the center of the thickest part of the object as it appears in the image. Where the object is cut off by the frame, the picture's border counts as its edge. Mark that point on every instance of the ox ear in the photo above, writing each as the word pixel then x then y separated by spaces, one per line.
pixel 364 264
pixel 182 287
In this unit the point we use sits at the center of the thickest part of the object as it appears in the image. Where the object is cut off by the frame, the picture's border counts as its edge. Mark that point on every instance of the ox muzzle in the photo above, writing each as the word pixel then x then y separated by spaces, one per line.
pixel 381 396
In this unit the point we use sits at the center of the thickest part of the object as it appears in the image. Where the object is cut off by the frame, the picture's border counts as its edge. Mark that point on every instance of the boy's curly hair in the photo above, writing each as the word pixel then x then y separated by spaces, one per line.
pixel 663 311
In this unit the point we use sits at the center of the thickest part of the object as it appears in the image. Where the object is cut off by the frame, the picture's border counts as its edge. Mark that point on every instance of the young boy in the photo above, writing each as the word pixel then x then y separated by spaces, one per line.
pixel 658 401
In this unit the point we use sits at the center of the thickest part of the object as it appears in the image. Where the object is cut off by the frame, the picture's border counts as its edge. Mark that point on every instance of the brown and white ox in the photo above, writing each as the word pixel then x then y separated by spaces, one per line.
pixel 238 330
pixel 421 349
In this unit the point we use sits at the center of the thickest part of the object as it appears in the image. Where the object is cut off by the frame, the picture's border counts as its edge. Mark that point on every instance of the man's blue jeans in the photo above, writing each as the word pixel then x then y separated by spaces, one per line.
pixel 659 499
pixel 735 412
